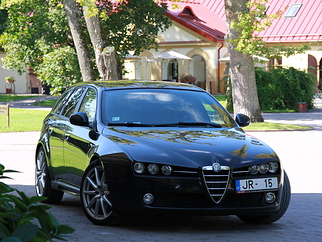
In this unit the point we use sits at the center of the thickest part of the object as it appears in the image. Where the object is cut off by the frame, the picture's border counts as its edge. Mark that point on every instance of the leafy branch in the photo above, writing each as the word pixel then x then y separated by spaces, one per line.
pixel 23 219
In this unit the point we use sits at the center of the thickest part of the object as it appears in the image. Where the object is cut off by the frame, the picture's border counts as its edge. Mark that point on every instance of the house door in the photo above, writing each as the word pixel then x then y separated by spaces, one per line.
pixel 198 69
pixel 173 70
pixel 313 66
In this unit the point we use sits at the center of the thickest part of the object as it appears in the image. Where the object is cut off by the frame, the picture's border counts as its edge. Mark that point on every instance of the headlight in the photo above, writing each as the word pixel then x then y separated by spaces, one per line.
pixel 139 168
pixel 263 168
pixel 253 169
pixel 273 167
pixel 166 170
pixel 153 169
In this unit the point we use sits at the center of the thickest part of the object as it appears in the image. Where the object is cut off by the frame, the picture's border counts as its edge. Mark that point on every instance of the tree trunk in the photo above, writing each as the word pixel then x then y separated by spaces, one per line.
pixel 242 71
pixel 104 55
pixel 84 60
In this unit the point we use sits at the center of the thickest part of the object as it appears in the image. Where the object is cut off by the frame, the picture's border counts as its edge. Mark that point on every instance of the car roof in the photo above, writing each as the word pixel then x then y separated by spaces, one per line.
pixel 126 84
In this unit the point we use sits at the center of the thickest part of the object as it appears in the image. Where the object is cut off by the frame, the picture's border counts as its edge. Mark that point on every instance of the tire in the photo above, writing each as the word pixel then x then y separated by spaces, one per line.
pixel 43 180
pixel 95 197
pixel 266 219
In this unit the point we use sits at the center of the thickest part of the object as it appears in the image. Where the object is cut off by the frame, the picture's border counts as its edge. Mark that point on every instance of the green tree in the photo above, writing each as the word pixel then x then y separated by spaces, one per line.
pixel 37 31
pixel 34 28
pixel 3 20
pixel 245 19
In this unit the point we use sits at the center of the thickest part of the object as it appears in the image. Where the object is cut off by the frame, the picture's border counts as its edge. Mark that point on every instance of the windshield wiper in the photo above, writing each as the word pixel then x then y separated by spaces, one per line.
pixel 189 124
pixel 130 124
pixel 137 124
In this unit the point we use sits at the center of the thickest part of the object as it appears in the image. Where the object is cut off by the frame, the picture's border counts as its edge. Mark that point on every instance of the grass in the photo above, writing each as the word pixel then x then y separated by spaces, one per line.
pixel 274 126
pixel 221 99
pixel 7 98
pixel 31 120
pixel 22 120
pixel 47 103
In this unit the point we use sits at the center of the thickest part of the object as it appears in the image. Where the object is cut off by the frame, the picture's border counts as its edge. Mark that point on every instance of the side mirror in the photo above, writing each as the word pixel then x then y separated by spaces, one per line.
pixel 242 120
pixel 80 119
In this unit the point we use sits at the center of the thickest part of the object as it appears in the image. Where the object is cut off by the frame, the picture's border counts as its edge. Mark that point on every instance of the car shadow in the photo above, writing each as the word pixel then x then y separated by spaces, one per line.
pixel 69 212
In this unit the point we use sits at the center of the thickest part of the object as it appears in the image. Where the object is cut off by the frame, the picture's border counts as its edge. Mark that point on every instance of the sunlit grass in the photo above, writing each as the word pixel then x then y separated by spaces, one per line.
pixel 8 98
pixel 274 126
pixel 22 120
pixel 46 103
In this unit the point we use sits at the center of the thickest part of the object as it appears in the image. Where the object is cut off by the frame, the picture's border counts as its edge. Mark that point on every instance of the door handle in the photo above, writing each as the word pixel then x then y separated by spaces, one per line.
pixel 67 136
pixel 51 130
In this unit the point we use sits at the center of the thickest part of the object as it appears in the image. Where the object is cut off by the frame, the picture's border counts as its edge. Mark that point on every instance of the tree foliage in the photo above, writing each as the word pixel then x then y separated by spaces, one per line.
pixel 37 31
pixel 34 28
pixel 139 35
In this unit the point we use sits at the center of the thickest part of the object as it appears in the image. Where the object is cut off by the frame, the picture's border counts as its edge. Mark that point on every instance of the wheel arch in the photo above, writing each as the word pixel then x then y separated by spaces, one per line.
pixel 39 145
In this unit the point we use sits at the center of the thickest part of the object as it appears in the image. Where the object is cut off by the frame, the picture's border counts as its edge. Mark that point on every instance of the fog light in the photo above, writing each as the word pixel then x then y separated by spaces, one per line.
pixel 139 168
pixel 148 198
pixel 273 167
pixel 153 169
pixel 166 170
pixel 253 169
pixel 270 197
pixel 263 168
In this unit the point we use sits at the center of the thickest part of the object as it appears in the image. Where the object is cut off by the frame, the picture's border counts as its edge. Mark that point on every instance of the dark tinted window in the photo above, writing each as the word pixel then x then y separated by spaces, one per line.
pixel 72 101
pixel 155 106
pixel 89 104
pixel 60 104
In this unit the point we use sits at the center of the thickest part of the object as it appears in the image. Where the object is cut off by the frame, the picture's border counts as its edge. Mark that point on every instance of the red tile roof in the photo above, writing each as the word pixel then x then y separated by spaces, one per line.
pixel 199 19
pixel 306 26
pixel 208 19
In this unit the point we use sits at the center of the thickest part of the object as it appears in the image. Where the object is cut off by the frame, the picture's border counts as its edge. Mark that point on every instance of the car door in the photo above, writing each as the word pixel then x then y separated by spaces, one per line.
pixel 78 145
pixel 59 126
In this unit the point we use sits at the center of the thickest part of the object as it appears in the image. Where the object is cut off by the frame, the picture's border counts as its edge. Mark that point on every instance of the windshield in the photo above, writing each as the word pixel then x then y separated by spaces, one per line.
pixel 162 107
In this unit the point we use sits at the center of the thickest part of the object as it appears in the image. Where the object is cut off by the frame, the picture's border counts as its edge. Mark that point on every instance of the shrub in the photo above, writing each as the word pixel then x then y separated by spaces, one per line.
pixel 23 219
pixel 284 88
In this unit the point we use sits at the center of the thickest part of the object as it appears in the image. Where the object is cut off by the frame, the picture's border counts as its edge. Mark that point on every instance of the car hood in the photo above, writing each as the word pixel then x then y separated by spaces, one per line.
pixel 190 147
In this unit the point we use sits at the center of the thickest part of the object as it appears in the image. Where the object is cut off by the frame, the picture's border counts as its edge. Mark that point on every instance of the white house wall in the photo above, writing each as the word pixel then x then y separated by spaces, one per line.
pixel 21 83
pixel 175 33
pixel 300 61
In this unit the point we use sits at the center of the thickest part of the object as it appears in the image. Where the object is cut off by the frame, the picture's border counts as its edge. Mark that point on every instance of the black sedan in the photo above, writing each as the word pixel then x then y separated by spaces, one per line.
pixel 129 147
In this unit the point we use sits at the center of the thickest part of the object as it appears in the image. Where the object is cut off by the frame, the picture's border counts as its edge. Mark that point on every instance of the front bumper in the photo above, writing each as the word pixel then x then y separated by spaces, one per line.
pixel 188 195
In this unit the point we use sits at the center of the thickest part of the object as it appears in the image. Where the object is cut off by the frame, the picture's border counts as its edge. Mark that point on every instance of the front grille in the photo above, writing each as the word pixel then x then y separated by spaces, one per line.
pixel 216 182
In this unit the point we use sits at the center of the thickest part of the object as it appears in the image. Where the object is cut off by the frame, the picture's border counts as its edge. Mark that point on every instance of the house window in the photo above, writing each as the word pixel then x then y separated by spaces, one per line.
pixel 273 62
pixel 293 10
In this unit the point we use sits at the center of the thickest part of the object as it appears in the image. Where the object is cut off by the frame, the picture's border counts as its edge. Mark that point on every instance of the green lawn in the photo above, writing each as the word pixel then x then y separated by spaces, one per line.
pixel 274 126
pixel 47 103
pixel 22 120
pixel 7 98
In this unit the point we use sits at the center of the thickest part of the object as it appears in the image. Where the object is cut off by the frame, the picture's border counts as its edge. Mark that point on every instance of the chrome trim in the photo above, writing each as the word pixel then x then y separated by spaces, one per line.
pixel 209 168
pixel 216 183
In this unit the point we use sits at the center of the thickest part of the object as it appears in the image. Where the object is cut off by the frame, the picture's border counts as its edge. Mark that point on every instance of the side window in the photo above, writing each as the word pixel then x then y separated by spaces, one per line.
pixel 89 104
pixel 57 109
pixel 71 104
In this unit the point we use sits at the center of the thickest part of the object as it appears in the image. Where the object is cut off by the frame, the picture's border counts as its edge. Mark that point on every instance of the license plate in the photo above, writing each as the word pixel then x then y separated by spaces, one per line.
pixel 259 184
